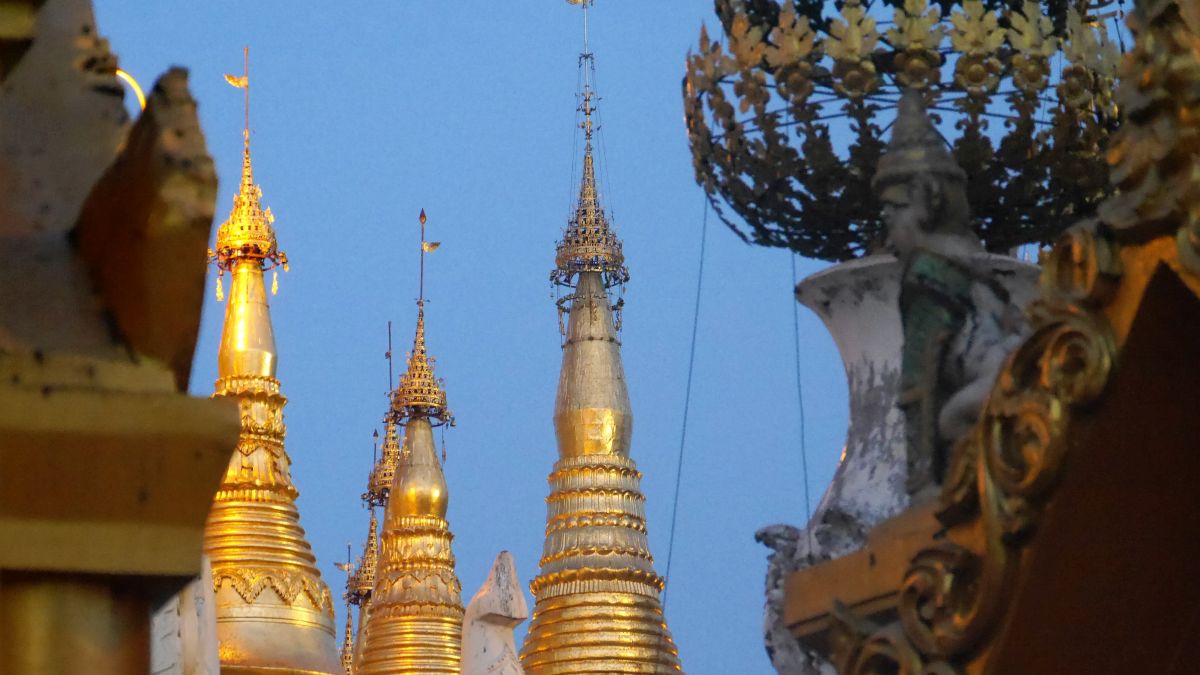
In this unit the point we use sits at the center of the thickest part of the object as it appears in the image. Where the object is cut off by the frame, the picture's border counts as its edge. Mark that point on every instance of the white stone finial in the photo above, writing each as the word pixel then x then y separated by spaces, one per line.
pixel 488 647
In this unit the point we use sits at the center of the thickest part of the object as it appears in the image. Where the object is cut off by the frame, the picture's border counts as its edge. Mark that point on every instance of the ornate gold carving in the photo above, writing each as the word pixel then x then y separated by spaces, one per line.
pixel 419 390
pixel 249 232
pixel 1002 475
pixel 251 582
pixel 916 37
pixel 589 243
pixel 948 599
pixel 1154 163
pixel 379 484
pixel 1031 35
pixel 1083 268
pixel 860 648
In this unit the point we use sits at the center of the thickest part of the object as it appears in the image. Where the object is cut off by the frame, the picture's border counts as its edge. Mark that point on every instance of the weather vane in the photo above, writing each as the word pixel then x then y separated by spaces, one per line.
pixel 243 82
pixel 248 234
pixel 426 247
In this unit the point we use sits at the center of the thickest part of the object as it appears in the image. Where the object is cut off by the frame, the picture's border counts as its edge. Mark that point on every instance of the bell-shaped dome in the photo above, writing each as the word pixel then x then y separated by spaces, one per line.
pixel 419 488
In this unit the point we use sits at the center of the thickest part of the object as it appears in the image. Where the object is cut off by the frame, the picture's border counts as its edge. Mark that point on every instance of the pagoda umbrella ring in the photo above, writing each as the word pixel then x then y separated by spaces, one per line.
pixel 786 116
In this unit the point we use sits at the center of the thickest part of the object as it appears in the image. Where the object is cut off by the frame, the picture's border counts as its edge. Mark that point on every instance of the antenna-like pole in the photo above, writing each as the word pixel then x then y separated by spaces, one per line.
pixel 421 294
pixel 587 64
pixel 246 89
pixel 585 28
pixel 391 373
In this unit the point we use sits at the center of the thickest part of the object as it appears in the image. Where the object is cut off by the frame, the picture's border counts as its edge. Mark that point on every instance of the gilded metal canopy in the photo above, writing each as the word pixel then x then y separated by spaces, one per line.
pixel 1026 90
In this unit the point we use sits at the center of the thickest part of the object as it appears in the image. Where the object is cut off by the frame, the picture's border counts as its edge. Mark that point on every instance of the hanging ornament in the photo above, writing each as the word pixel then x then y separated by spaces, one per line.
pixel 220 291
pixel 274 282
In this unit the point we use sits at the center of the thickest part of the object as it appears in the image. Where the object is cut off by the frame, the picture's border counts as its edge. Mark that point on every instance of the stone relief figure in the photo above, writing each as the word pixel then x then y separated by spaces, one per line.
pixel 959 320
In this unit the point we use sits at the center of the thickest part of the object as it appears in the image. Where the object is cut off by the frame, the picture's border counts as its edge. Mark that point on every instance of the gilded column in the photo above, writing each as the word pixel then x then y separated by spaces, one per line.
pixel 414 622
pixel 274 612
pixel 597 596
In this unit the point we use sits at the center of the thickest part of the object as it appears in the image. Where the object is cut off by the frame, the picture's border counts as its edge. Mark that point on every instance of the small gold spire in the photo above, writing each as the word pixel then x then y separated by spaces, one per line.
pixel 348 643
pixel 364 573
pixel 414 624
pixel 248 233
pixel 420 393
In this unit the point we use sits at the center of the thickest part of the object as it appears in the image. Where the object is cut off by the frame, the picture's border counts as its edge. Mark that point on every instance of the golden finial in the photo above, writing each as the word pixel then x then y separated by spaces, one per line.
pixel 589 243
pixel 419 393
pixel 248 234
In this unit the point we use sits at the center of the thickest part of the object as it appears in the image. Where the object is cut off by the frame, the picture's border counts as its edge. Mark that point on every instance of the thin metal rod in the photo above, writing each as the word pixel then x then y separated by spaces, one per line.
pixel 421 293
pixel 391 373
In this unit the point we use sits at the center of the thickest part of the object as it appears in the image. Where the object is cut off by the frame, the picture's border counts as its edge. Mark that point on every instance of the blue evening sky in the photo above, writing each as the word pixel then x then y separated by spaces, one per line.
pixel 365 112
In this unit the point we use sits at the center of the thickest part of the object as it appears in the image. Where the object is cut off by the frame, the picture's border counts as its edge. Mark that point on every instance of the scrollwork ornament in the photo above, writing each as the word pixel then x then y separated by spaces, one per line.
pixel 1023 450
pixel 1065 364
pixel 861 648
pixel 1078 357
pixel 960 487
pixel 887 651
pixel 1083 267
pixel 943 603
pixel 1187 241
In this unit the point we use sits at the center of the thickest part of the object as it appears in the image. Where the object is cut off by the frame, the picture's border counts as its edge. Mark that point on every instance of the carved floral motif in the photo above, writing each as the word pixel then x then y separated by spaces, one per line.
pixel 249 583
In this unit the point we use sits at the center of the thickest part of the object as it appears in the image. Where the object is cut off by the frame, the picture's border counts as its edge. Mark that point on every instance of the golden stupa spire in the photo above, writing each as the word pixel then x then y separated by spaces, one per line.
pixel 597 596
pixel 414 624
pixel 273 609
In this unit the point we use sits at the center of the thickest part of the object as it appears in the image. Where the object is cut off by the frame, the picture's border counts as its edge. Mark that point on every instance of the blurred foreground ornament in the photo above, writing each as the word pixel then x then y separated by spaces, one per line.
pixel 107 466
